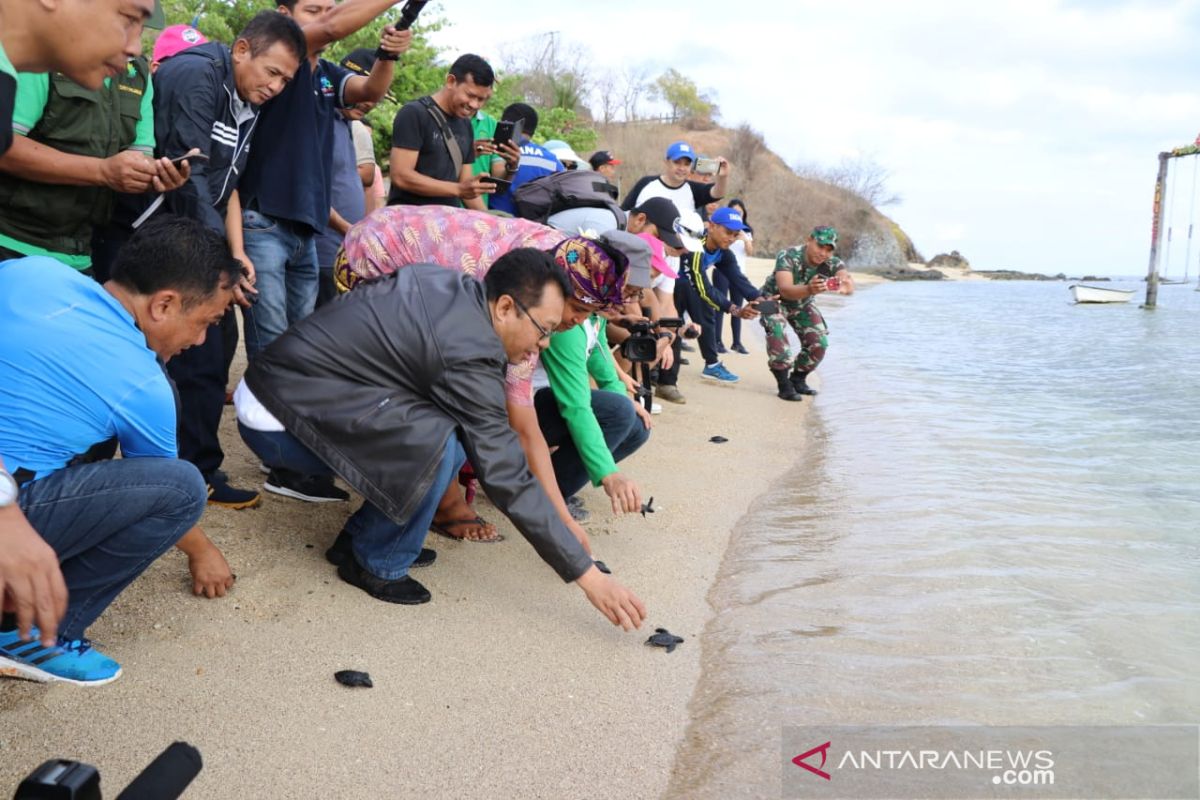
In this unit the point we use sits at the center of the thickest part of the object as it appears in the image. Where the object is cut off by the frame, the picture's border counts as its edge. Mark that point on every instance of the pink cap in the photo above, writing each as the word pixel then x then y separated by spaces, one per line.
pixel 658 255
pixel 175 39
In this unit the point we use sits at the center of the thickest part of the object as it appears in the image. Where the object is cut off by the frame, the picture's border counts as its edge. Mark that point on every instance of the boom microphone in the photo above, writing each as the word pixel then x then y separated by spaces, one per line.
pixel 166 777
pixel 408 15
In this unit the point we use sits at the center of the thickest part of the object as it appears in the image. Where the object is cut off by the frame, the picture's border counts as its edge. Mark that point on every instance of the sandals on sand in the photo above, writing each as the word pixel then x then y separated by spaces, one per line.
pixel 445 528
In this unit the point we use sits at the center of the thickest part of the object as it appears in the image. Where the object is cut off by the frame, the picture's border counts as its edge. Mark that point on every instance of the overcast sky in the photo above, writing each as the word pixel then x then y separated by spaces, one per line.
pixel 1023 134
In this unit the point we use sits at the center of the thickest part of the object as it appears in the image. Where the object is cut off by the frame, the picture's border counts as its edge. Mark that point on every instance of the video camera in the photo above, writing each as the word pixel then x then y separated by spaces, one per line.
pixel 642 349
pixel 165 778
pixel 642 345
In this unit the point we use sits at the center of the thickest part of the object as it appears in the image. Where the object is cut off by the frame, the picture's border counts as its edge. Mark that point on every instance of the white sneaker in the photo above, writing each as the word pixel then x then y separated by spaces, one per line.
pixel 656 408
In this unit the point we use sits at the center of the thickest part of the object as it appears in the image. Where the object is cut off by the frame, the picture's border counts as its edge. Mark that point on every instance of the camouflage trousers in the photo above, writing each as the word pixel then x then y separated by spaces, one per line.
pixel 810 329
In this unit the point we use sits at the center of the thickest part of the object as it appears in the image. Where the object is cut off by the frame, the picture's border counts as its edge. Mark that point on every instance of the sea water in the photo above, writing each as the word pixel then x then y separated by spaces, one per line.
pixel 995 520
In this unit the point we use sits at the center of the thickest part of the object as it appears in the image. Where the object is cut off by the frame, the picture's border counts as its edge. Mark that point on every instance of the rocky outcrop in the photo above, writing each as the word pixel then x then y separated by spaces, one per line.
pixel 904 273
pixel 951 260
pixel 1017 275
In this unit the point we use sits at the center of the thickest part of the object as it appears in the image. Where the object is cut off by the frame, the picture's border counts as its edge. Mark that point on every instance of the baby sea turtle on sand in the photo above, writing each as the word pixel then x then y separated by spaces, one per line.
pixel 350 677
pixel 664 638
pixel 648 508
pixel 718 440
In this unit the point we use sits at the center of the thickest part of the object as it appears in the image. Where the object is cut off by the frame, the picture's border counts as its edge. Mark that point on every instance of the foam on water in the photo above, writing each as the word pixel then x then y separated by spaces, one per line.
pixel 996 520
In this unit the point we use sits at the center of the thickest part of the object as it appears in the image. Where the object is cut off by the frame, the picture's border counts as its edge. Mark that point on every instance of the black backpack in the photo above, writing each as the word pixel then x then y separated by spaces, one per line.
pixel 539 198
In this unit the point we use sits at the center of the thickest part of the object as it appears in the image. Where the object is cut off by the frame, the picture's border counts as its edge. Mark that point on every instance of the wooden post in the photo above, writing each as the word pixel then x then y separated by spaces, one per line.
pixel 1156 229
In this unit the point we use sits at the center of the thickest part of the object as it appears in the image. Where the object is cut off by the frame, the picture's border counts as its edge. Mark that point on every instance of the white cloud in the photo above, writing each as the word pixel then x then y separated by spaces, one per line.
pixel 1037 116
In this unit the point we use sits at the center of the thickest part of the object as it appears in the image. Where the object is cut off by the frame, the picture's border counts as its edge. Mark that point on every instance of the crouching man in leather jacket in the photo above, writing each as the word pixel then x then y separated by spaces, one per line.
pixel 391 387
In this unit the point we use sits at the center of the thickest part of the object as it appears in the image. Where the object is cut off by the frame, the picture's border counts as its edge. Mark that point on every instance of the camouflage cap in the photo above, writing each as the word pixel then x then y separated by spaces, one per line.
pixel 825 234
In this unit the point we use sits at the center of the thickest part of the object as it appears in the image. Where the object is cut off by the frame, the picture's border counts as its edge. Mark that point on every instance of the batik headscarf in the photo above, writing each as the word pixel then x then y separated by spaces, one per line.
pixel 597 277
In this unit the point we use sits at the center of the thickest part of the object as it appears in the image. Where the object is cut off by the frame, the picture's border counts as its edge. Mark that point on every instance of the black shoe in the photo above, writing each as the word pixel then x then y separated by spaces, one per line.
pixel 687 348
pixel 343 550
pixel 222 494
pixel 799 383
pixel 405 591
pixel 721 348
pixel 738 347
pixel 786 390
pixel 684 361
pixel 310 488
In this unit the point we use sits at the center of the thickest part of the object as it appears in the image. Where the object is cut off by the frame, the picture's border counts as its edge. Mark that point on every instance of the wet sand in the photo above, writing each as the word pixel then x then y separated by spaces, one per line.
pixel 508 684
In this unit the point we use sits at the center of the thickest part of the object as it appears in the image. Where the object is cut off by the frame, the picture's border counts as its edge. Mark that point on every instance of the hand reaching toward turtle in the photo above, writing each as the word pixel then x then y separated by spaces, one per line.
pixel 620 605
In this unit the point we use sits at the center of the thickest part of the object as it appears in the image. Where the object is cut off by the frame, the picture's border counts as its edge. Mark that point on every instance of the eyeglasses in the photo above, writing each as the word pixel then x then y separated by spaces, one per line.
pixel 545 334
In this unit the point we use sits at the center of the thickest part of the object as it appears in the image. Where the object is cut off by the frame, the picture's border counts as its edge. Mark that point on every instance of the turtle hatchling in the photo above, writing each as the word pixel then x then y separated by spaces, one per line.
pixel 664 638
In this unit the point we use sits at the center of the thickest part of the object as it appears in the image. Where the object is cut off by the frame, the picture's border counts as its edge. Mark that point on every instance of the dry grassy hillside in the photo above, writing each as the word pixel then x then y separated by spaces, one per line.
pixel 782 207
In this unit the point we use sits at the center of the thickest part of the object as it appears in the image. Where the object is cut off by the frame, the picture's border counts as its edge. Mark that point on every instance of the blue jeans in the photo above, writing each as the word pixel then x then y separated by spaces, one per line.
pixel 108 521
pixel 623 431
pixel 285 262
pixel 384 548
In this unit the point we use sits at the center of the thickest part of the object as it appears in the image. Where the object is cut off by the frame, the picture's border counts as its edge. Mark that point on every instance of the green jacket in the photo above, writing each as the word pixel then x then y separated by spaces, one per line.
pixel 568 365
pixel 98 123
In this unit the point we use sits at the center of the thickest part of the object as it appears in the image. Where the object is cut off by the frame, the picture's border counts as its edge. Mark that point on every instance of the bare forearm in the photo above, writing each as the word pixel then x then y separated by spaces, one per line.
pixel 342 21
pixel 194 542
pixel 36 162
pixel 412 181
pixel 233 225
pixel 374 87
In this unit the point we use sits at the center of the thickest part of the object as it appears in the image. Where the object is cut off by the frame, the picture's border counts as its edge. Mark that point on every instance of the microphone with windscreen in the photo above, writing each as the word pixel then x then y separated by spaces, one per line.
pixel 408 15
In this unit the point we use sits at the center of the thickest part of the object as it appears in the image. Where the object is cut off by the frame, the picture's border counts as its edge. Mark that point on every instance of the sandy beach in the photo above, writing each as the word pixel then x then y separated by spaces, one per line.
pixel 508 684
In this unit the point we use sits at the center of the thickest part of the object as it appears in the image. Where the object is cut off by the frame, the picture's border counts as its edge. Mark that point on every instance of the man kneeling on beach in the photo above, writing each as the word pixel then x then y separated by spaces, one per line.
pixel 80 365
pixel 392 387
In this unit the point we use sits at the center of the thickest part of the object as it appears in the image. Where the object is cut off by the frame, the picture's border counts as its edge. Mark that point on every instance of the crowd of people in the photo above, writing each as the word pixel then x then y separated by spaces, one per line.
pixel 460 335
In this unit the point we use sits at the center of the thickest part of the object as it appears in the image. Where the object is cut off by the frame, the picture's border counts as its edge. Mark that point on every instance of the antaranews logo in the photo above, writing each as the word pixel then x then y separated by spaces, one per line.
pixel 823 749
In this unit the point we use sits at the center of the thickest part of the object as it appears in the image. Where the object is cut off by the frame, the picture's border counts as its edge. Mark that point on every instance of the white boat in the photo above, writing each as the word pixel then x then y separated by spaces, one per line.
pixel 1099 294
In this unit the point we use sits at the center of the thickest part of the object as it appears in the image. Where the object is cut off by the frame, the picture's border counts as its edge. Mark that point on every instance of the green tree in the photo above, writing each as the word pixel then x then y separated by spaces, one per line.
pixel 681 94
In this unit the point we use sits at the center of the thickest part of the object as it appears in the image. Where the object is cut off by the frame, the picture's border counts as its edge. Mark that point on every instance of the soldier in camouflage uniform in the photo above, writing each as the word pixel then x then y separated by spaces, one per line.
pixel 801 273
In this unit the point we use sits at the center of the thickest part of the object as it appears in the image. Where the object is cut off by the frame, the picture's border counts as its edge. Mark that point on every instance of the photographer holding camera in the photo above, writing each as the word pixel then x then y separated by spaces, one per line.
pixel 802 273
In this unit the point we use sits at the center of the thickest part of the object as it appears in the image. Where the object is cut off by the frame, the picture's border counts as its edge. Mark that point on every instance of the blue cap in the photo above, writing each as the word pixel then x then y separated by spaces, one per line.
pixel 728 217
pixel 680 150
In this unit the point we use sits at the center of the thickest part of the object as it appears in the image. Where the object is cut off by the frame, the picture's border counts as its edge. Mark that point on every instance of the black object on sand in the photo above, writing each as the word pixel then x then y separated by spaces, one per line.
pixel 600 565
pixel 648 507
pixel 350 677
pixel 718 440
pixel 664 638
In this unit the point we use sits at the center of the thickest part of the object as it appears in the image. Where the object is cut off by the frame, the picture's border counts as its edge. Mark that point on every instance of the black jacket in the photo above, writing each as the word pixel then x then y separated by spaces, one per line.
pixel 726 263
pixel 377 381
pixel 194 107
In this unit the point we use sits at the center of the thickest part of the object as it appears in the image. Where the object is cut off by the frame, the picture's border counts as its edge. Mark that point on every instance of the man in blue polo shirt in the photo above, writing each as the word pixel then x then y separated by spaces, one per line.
pixel 536 161
pixel 285 192
pixel 82 364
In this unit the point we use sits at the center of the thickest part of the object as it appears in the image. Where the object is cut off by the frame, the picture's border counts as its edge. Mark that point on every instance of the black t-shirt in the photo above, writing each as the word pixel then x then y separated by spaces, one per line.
pixel 415 129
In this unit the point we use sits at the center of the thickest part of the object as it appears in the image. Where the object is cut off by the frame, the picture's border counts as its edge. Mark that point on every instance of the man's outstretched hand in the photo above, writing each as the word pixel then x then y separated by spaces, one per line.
pixel 620 605
pixel 31 583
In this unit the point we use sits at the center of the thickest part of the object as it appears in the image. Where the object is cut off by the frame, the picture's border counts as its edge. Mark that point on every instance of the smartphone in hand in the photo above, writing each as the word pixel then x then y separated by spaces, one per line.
pixel 192 156
pixel 508 131
pixel 766 307
pixel 501 184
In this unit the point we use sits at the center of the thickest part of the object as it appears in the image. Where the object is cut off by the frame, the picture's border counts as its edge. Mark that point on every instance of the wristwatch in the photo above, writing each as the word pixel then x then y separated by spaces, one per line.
pixel 9 491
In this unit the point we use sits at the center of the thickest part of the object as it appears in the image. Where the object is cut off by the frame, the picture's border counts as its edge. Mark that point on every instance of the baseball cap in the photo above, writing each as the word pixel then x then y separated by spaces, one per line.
pixel 690 228
pixel 360 61
pixel 602 157
pixel 825 234
pixel 658 255
pixel 680 150
pixel 663 213
pixel 637 251
pixel 157 19
pixel 732 218
pixel 562 151
pixel 174 39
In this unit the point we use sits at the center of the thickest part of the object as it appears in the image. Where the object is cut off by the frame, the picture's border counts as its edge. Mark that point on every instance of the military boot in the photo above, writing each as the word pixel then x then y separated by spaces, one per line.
pixel 799 383
pixel 786 390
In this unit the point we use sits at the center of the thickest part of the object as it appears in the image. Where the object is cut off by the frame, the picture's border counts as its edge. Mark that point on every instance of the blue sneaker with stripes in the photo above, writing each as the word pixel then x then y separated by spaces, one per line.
pixel 74 661
pixel 717 372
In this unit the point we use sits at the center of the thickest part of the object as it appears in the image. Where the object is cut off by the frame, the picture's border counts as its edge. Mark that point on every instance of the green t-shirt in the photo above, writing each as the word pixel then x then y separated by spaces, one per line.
pixel 8 94
pixel 33 92
pixel 483 125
